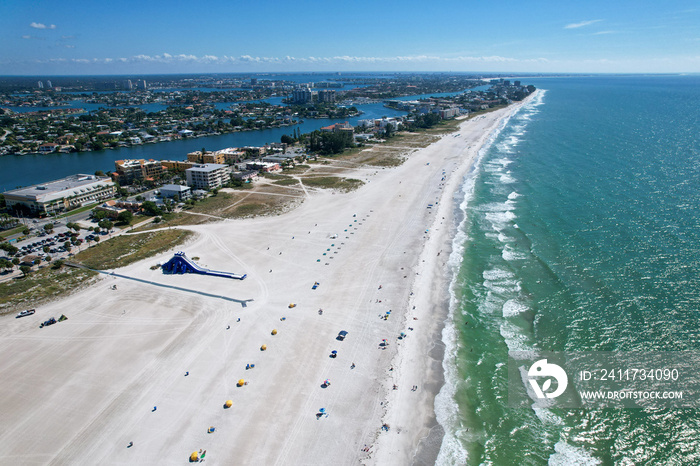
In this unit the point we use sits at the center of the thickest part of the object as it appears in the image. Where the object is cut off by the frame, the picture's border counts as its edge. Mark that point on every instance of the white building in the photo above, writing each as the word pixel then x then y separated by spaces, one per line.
pixel 207 175
pixel 61 195
pixel 172 190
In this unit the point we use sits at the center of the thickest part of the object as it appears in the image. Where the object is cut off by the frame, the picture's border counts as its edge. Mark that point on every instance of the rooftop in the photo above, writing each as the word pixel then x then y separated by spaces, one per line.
pixel 76 183
pixel 207 167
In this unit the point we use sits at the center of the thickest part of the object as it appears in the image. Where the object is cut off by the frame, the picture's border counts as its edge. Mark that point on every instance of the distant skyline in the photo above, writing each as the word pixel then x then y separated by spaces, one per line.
pixel 153 37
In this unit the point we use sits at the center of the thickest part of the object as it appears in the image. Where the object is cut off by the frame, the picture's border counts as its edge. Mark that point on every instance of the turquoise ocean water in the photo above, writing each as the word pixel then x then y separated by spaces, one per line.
pixel 580 232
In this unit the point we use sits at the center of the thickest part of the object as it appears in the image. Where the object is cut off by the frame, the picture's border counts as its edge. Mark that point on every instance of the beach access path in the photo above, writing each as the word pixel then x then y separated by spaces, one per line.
pixel 79 391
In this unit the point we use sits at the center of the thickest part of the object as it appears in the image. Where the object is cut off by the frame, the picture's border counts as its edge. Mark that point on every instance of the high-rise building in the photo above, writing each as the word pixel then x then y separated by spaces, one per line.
pixel 41 84
pixel 326 95
pixel 207 176
pixel 139 169
pixel 301 95
pixel 48 84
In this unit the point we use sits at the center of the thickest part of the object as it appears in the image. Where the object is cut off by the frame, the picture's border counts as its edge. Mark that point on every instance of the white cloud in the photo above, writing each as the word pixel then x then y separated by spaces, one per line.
pixel 166 61
pixel 582 24
pixel 42 26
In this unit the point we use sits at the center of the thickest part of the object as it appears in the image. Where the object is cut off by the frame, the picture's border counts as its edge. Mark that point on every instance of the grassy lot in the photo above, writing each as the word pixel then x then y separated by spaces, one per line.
pixel 287 182
pixel 41 286
pixel 78 210
pixel 297 169
pixel 266 200
pixel 13 231
pixel 333 182
pixel 127 249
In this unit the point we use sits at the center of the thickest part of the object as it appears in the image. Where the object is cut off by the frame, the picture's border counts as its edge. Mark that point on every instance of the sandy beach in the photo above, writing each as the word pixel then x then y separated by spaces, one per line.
pixel 79 391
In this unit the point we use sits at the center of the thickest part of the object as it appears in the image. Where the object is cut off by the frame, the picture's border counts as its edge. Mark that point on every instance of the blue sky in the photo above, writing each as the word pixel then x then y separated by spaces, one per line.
pixel 146 37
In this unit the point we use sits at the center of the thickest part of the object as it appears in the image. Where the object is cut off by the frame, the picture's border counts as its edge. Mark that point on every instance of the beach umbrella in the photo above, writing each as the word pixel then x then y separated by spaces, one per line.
pixel 241 383
pixel 228 403
pixel 194 456
pixel 210 430
pixel 274 331
pixel 263 347
pixel 322 410
pixel 334 352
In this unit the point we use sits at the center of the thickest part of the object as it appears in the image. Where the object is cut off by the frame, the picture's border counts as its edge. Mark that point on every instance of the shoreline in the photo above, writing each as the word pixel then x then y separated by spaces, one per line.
pixel 84 388
pixel 423 444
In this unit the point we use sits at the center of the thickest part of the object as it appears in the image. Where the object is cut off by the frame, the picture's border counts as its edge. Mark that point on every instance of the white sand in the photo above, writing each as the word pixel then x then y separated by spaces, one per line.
pixel 77 392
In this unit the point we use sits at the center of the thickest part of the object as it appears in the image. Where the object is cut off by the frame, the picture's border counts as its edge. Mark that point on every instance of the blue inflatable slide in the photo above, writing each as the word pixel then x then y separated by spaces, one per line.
pixel 180 264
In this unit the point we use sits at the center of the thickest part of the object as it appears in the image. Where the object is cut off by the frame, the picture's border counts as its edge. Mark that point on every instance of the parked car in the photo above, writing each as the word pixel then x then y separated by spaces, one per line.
pixel 28 312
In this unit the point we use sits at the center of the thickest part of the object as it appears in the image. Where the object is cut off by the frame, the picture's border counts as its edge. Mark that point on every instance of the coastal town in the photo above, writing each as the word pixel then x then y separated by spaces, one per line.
pixel 136 188
pixel 125 118
pixel 338 207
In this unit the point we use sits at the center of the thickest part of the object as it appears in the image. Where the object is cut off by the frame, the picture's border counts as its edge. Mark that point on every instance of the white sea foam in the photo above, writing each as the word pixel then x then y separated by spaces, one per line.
pixel 513 337
pixel 566 454
pixel 502 238
pixel 547 416
pixel 513 307
pixel 500 219
pixel 496 207
pixel 452 451
pixel 509 254
pixel 506 178
pixel 497 274
pixel 513 195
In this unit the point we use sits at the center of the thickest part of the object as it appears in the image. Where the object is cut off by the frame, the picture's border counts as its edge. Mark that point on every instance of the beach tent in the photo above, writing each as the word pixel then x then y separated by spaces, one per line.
pixel 194 456
pixel 211 430
pixel 228 403
pixel 263 347
pixel 241 383
pixel 274 331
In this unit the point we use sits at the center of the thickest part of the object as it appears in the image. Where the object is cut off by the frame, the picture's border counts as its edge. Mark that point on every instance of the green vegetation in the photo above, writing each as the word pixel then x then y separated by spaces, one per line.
pixel 45 284
pixel 127 249
pixel 77 211
pixel 14 231
pixel 125 218
pixel 287 182
pixel 330 143
pixel 249 210
pixel 150 208
pixel 333 182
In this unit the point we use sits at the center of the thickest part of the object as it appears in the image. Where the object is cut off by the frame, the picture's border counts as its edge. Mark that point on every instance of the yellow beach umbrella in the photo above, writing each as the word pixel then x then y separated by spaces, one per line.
pixel 263 347
pixel 194 456
pixel 228 403
pixel 274 331
pixel 241 383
